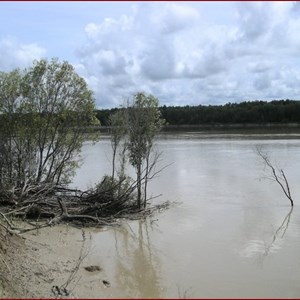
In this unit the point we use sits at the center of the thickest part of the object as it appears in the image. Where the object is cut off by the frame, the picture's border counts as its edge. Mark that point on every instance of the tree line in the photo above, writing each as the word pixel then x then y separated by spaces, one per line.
pixel 252 112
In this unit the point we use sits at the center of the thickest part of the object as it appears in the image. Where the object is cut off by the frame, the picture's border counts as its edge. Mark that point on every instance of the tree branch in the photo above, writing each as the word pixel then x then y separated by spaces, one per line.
pixel 284 185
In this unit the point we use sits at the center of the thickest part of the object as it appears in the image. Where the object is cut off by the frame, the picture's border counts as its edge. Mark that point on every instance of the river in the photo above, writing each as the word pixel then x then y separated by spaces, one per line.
pixel 231 233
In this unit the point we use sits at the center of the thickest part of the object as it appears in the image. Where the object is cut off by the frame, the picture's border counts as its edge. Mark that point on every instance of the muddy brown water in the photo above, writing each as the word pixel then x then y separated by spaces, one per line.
pixel 232 233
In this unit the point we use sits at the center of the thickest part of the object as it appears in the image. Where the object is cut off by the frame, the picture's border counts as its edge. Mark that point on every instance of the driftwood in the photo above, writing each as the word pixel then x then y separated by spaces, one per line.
pixel 95 207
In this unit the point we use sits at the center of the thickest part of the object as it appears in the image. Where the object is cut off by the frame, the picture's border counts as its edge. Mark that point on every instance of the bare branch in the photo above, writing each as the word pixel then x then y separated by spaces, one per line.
pixel 282 181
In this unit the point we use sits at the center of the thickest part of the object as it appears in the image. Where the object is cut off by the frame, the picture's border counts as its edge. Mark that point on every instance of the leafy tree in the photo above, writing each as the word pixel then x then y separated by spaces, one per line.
pixel 12 146
pixel 144 122
pixel 44 112
pixel 134 127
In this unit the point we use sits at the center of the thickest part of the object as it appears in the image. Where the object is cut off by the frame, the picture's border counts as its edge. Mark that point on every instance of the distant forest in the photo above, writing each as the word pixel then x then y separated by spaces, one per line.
pixel 258 112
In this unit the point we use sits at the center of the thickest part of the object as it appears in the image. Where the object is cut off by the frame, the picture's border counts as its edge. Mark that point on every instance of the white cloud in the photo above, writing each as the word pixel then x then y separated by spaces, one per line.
pixel 254 19
pixel 173 17
pixel 17 55
pixel 157 60
pixel 262 82
pixel 182 52
pixel 260 66
pixel 151 47
pixel 176 52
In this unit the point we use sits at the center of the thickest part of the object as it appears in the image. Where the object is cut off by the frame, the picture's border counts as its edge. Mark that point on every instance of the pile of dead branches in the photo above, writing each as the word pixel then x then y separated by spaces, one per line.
pixel 105 204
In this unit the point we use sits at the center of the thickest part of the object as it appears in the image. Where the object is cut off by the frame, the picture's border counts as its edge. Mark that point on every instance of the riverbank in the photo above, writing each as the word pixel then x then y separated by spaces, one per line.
pixel 50 263
pixel 213 179
pixel 234 126
pixel 217 127
pixel 19 270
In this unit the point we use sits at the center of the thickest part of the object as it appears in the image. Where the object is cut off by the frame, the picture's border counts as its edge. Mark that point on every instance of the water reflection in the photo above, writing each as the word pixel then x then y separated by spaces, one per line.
pixel 137 265
pixel 281 230
pixel 261 248
pixel 227 219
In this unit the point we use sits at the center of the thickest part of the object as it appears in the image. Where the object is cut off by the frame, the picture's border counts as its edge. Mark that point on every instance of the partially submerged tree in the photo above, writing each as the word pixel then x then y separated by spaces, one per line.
pixel 143 122
pixel 43 113
pixel 277 174
pixel 133 130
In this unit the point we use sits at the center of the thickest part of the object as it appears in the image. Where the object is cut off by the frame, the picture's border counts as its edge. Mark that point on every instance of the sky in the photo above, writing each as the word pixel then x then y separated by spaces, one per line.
pixel 184 53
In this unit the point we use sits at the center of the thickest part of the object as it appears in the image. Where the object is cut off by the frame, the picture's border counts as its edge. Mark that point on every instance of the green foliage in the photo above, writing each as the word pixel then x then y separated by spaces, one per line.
pixel 144 122
pixel 135 127
pixel 117 121
pixel 117 191
pixel 252 112
pixel 43 113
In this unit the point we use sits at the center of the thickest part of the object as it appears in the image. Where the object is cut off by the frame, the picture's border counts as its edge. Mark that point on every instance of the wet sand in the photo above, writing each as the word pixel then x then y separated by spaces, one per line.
pixel 55 257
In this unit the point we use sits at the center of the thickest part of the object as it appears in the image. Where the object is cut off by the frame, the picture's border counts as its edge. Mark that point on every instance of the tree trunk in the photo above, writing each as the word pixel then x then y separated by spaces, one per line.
pixel 139 186
pixel 113 163
pixel 146 178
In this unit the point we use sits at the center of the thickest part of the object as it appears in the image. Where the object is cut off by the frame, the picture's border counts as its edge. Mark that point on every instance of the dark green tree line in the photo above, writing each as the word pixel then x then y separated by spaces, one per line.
pixel 252 112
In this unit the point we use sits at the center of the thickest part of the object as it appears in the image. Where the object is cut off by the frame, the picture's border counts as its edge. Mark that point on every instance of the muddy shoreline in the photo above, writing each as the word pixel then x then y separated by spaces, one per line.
pixel 52 263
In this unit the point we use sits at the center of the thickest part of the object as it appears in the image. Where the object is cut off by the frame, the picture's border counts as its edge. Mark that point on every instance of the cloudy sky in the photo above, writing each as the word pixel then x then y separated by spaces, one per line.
pixel 184 53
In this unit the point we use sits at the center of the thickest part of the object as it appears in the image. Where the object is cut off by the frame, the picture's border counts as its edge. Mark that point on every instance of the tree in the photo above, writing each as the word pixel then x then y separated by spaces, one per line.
pixel 143 123
pixel 277 175
pixel 135 127
pixel 11 148
pixel 117 122
pixel 44 112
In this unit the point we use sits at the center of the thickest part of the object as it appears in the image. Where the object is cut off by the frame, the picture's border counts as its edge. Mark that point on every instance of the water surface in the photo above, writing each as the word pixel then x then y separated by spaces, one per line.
pixel 233 233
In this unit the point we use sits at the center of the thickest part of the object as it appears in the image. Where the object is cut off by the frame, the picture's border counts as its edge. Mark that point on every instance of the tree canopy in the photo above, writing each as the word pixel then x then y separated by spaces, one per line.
pixel 43 112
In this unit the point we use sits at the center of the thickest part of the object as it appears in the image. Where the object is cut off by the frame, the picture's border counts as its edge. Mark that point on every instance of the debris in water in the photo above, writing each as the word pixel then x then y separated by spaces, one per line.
pixel 106 283
pixel 92 268
pixel 59 291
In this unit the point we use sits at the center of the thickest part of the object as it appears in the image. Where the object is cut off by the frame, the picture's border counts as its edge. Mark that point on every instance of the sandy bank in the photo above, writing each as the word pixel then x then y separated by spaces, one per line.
pixel 42 261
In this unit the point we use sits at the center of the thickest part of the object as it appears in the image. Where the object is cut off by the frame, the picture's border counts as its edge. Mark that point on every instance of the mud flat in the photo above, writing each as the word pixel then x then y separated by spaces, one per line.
pixel 50 263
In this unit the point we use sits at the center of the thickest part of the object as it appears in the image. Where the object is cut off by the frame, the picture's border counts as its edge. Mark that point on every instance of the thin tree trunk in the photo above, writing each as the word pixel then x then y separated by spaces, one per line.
pixel 113 163
pixel 146 178
pixel 139 187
